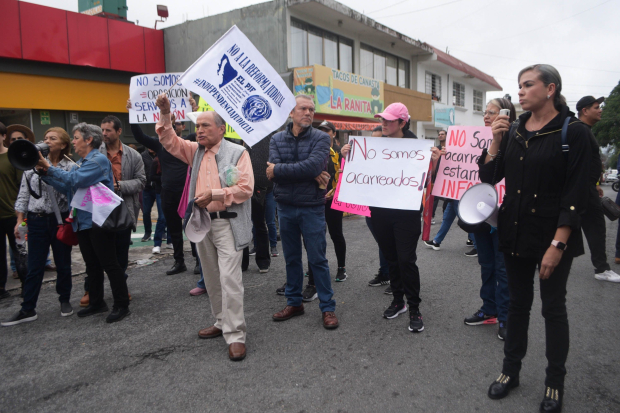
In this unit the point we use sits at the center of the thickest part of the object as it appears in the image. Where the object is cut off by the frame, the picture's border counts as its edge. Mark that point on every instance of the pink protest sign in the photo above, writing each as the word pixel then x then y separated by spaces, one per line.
pixel 345 207
pixel 458 170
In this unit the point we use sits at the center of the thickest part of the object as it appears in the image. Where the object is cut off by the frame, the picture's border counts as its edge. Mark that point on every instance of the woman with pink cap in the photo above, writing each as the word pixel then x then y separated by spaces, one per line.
pixel 397 231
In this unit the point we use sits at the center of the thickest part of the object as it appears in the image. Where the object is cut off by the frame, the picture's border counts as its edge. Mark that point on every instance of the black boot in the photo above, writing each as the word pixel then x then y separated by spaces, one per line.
pixel 178 267
pixel 552 403
pixel 501 387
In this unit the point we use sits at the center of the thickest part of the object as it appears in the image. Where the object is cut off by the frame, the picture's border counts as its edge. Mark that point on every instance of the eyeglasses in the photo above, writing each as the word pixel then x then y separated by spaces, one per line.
pixel 490 113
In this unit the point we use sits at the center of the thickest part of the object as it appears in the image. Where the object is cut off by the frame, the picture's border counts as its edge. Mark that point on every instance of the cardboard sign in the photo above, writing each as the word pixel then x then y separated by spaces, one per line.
pixel 346 207
pixel 143 92
pixel 242 87
pixel 386 172
pixel 458 170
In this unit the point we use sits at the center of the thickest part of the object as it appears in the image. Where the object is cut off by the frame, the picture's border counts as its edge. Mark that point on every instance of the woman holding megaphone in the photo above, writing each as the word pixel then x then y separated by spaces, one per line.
pixel 539 220
pixel 40 202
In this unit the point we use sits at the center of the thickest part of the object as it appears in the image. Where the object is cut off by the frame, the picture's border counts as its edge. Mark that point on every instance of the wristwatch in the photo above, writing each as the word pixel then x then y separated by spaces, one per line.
pixel 559 245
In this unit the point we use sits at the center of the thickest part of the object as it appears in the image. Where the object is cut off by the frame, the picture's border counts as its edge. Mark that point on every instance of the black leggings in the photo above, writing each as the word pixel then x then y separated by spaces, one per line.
pixel 333 219
pixel 521 273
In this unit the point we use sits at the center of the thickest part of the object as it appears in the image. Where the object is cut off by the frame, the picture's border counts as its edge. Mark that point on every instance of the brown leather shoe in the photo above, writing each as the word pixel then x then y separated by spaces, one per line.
pixel 288 312
pixel 85 300
pixel 236 351
pixel 329 320
pixel 210 332
pixel 50 267
pixel 617 260
pixel 16 275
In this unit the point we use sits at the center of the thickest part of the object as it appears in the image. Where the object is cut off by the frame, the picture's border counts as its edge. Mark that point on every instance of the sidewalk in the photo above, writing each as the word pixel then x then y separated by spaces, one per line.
pixel 140 254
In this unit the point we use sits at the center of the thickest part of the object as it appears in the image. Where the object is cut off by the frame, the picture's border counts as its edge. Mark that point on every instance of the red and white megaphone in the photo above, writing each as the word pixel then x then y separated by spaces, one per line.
pixel 479 204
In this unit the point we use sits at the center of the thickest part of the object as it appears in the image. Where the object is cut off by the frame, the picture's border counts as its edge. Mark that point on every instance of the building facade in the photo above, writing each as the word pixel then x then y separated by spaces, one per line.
pixel 352 65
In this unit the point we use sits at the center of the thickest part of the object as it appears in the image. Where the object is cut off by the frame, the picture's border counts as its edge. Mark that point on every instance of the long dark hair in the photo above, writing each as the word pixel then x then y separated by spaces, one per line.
pixel 406 125
pixel 549 74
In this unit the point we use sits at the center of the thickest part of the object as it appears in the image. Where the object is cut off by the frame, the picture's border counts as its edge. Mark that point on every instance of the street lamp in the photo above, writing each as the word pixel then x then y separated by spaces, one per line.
pixel 162 11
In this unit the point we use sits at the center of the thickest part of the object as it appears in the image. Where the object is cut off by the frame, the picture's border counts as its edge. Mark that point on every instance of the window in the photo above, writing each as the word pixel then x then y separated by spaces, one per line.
pixel 384 67
pixel 311 45
pixel 433 86
pixel 478 100
pixel 458 94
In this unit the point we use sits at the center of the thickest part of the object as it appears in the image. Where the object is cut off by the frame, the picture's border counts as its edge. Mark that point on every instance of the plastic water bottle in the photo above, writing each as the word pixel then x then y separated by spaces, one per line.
pixel 22 230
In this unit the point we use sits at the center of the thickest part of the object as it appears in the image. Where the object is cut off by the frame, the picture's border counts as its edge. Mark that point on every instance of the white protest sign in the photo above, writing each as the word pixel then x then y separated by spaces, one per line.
pixel 97 199
pixel 458 170
pixel 143 92
pixel 241 86
pixel 386 172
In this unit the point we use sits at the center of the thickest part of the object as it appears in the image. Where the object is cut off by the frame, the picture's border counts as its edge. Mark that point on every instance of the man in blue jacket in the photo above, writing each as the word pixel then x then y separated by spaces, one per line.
pixel 297 165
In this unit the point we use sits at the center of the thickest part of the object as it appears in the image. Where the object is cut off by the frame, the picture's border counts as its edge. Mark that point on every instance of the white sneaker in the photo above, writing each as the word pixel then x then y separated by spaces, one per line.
pixel 156 250
pixel 608 275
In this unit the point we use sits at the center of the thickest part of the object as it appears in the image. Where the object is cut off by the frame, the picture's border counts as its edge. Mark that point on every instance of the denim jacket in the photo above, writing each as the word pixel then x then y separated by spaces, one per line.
pixel 94 168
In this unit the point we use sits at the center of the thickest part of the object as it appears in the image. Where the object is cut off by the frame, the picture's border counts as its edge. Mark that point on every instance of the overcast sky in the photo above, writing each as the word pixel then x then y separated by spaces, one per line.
pixel 500 37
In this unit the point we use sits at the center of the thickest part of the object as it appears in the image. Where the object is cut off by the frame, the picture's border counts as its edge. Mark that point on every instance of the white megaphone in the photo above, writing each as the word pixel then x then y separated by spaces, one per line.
pixel 479 204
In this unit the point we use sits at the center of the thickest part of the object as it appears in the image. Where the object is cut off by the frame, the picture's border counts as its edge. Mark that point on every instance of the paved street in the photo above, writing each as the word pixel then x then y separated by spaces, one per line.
pixel 153 361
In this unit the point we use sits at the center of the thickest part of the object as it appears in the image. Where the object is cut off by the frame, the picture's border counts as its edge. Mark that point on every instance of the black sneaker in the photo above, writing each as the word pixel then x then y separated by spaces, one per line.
pixel 90 310
pixel 177 268
pixel 66 310
pixel 479 317
pixel 501 332
pixel 341 275
pixel 472 253
pixel 470 243
pixel 388 291
pixel 433 245
pixel 281 290
pixel 415 322
pixel 117 314
pixel 146 238
pixel 252 251
pixel 309 294
pixel 394 310
pixel 20 317
pixel 379 280
pixel 274 251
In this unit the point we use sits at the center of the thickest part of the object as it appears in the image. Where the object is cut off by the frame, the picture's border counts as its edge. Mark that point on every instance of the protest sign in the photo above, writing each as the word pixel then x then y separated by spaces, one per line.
pixel 143 92
pixel 458 170
pixel 346 207
pixel 242 87
pixel 97 199
pixel 386 172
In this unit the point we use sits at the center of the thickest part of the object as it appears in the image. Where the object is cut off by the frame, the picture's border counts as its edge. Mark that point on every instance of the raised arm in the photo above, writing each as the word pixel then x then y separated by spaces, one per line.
pixel 179 148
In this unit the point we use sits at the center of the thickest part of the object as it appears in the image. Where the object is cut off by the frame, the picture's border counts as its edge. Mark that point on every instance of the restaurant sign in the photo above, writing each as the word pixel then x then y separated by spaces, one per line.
pixel 339 93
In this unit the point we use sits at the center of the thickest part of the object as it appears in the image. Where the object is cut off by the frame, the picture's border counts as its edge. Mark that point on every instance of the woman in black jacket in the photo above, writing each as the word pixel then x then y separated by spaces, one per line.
pixel 539 220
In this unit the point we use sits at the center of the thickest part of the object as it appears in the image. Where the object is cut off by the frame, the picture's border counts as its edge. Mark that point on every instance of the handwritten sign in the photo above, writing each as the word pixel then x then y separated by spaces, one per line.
pixel 241 85
pixel 386 172
pixel 346 207
pixel 143 92
pixel 458 170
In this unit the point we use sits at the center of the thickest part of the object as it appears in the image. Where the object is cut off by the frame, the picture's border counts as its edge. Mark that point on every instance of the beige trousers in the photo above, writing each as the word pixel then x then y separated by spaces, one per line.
pixel 221 267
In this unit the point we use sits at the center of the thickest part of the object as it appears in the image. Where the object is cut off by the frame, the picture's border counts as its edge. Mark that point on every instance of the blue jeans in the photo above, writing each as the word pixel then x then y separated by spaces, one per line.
pixel 42 235
pixel 149 197
pixel 270 219
pixel 308 222
pixel 384 268
pixel 448 218
pixel 494 290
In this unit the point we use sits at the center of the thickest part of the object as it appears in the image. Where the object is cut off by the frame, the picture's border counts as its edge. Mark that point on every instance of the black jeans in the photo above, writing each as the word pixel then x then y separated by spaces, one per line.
pixel 98 248
pixel 593 225
pixel 521 273
pixel 170 203
pixel 41 236
pixel 7 226
pixel 261 239
pixel 122 242
pixel 333 219
pixel 397 233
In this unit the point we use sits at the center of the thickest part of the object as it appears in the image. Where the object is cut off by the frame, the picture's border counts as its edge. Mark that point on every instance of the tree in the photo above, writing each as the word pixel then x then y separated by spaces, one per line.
pixel 607 131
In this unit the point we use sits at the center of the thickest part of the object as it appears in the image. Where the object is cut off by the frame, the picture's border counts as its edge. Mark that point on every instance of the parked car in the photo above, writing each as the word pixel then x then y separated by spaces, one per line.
pixel 611 176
